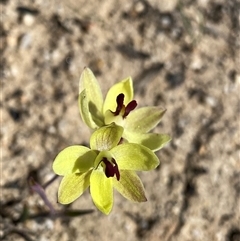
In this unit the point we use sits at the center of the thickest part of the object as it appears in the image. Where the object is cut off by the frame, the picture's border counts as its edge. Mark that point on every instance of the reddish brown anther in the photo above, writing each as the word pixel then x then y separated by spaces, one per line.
pixel 111 168
pixel 130 106
pixel 120 99
pixel 120 106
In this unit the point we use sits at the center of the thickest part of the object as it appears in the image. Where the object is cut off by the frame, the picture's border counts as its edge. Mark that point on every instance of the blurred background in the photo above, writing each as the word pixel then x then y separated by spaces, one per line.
pixel 182 55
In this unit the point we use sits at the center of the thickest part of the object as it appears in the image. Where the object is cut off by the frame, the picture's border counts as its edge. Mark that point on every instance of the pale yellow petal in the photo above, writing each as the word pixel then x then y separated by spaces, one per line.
pixel 144 119
pixel 72 186
pixel 153 141
pixel 123 87
pixel 130 186
pixel 105 138
pixel 101 189
pixel 90 119
pixel 130 156
pixel 93 93
pixel 74 159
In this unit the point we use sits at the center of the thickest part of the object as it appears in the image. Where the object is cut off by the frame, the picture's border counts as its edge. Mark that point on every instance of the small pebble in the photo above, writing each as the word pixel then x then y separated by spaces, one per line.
pixel 211 101
pixel 28 19
pixel 139 7
pixel 197 63
pixel 166 21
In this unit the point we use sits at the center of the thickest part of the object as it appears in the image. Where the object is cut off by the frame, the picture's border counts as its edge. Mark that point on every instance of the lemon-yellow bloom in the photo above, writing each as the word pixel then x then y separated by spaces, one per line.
pixel 119 107
pixel 104 166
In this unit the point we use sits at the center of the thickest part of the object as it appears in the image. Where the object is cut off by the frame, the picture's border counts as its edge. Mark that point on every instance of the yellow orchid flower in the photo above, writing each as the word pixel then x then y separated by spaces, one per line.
pixel 119 107
pixel 104 166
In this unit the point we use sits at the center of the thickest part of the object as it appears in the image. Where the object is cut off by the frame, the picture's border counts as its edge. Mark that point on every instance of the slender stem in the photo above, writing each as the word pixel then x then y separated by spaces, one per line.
pixel 45 185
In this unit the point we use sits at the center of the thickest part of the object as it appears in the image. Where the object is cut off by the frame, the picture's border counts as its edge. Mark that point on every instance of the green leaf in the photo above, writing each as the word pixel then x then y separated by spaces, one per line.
pixel 101 191
pixel 130 156
pixel 144 119
pixel 105 138
pixel 74 159
pixel 152 141
pixel 72 186
pixel 93 92
pixel 130 186
pixel 125 87
pixel 73 213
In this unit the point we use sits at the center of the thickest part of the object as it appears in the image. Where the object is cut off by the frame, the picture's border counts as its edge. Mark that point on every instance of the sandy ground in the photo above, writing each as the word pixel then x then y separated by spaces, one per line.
pixel 182 55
